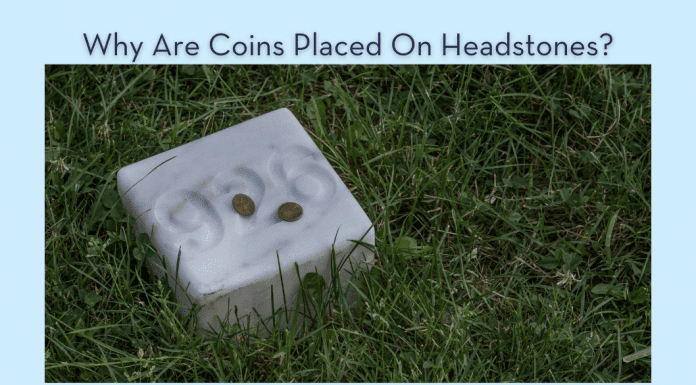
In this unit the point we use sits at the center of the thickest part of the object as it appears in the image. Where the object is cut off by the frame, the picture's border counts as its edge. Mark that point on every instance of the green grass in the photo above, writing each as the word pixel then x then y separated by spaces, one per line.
pixel 512 208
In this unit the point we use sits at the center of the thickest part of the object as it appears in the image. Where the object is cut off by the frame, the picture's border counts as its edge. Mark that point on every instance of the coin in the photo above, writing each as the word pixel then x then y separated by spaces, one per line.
pixel 244 205
pixel 290 211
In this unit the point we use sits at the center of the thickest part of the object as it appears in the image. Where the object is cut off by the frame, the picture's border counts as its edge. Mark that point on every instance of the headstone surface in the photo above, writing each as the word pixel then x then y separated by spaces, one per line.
pixel 183 199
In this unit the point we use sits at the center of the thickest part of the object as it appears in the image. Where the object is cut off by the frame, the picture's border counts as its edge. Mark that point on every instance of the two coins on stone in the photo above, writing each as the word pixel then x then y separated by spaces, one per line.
pixel 288 211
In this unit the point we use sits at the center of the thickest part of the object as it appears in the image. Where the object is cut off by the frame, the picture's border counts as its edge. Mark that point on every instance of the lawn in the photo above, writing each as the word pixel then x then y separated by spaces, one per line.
pixel 512 208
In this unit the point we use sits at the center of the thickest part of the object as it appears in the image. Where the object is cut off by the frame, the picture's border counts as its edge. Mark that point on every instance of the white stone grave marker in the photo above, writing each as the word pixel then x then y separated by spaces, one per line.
pixel 182 199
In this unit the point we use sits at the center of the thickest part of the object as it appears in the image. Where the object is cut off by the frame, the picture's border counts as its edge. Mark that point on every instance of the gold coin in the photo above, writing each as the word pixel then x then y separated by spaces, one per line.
pixel 244 205
pixel 290 211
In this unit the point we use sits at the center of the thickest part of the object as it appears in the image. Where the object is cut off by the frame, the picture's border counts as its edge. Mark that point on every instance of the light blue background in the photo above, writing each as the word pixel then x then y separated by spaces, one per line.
pixel 643 33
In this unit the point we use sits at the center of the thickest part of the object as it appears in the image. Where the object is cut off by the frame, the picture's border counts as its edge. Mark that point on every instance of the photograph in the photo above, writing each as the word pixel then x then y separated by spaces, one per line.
pixel 347 223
